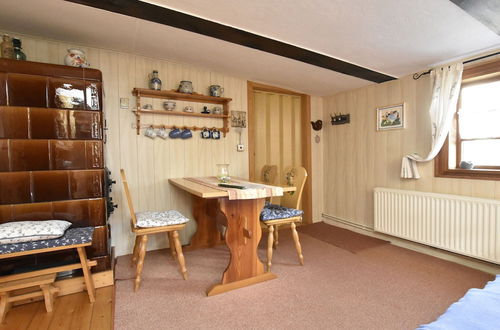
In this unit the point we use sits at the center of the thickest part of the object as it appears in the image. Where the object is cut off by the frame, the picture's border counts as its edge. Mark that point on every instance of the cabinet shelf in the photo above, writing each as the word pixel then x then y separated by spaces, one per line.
pixel 174 95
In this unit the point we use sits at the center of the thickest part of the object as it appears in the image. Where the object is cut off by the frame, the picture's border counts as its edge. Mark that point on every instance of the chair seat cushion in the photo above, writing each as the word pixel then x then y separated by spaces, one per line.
pixel 275 212
pixel 149 219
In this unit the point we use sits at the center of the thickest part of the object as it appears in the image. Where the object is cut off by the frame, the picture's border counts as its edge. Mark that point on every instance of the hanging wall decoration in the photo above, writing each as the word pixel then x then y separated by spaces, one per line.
pixel 238 119
pixel 391 117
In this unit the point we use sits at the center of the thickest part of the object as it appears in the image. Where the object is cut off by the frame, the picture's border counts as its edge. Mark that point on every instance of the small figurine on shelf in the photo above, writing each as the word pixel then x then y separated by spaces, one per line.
pixel 18 50
pixel 205 110
pixel 7 47
pixel 154 81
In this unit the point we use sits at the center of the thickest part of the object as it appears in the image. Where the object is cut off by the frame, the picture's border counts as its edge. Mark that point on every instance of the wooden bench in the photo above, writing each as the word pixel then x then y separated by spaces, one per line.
pixel 47 290
pixel 74 238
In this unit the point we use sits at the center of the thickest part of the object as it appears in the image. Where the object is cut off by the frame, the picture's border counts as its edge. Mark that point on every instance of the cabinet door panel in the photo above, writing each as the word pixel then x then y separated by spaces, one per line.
pixel 66 93
pixel 15 187
pixel 29 155
pixel 13 123
pixel 27 90
pixel 50 186
pixel 48 123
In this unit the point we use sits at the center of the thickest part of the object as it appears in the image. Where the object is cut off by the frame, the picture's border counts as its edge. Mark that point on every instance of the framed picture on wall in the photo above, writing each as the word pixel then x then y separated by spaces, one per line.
pixel 391 117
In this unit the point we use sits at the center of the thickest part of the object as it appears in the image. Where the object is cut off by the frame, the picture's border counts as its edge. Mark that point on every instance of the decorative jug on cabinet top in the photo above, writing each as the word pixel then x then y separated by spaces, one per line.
pixel 76 57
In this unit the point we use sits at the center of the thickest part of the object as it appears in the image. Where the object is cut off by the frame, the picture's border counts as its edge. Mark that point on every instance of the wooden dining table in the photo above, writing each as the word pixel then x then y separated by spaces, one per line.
pixel 212 206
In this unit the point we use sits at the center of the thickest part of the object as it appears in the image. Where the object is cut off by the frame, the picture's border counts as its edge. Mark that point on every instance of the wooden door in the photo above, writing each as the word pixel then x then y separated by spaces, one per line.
pixel 278 133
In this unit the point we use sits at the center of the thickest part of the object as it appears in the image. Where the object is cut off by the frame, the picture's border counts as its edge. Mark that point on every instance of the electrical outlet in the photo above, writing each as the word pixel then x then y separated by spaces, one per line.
pixel 240 147
pixel 124 103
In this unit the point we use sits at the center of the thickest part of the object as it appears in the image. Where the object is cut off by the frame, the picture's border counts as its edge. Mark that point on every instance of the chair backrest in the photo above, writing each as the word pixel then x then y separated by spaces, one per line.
pixel 269 174
pixel 294 176
pixel 129 197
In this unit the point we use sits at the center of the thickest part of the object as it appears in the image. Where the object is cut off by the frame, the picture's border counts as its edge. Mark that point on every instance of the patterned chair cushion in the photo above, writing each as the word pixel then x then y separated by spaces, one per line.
pixel 28 231
pixel 72 236
pixel 275 212
pixel 148 219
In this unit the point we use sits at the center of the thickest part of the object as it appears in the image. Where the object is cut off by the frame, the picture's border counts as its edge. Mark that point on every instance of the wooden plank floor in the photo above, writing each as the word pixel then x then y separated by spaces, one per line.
pixel 72 311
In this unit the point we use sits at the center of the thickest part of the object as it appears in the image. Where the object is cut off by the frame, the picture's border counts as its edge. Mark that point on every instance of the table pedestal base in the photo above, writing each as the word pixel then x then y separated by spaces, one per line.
pixel 221 288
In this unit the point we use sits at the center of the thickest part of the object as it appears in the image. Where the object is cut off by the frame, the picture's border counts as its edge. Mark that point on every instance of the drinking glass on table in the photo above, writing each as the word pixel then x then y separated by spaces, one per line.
pixel 223 173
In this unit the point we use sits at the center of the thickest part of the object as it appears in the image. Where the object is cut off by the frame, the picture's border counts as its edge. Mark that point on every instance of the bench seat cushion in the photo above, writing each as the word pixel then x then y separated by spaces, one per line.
pixel 150 219
pixel 28 231
pixel 275 212
pixel 72 236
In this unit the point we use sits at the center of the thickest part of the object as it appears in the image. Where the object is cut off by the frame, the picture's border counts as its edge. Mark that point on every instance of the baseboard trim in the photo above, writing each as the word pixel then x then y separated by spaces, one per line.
pixel 484 266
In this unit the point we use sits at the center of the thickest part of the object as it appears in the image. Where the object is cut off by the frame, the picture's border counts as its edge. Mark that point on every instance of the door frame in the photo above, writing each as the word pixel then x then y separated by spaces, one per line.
pixel 305 109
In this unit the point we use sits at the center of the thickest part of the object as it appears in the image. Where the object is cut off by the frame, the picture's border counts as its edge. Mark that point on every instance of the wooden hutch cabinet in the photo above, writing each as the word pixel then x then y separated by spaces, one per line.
pixel 51 155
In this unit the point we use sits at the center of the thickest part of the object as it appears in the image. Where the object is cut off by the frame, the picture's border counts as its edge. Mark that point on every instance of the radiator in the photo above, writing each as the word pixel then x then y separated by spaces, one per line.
pixel 465 225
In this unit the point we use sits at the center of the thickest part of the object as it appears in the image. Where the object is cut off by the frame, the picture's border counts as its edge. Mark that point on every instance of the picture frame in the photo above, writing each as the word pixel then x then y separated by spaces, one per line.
pixel 238 119
pixel 391 117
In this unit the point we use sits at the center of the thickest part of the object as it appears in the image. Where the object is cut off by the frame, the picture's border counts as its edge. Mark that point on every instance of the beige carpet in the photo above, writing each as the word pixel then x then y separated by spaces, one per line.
pixel 341 238
pixel 381 287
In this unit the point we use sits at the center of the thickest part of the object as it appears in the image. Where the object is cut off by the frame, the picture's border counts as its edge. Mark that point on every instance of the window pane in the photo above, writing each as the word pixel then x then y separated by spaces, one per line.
pixel 479 115
pixel 482 152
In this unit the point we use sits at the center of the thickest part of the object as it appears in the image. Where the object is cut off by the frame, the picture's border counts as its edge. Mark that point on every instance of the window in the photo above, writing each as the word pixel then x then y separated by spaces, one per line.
pixel 474 139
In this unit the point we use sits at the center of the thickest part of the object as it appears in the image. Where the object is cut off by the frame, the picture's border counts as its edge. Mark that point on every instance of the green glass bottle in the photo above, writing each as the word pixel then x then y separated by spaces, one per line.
pixel 18 50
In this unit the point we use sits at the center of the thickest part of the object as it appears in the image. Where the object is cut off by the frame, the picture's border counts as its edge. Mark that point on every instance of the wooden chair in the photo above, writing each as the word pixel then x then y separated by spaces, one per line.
pixel 154 222
pixel 288 212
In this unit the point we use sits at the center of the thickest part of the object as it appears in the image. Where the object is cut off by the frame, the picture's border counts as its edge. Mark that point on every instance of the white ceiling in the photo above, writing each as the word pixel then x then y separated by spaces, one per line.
pixel 396 37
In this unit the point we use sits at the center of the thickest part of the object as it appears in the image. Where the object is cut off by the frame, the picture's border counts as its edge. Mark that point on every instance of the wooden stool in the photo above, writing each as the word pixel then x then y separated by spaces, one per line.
pixel 47 290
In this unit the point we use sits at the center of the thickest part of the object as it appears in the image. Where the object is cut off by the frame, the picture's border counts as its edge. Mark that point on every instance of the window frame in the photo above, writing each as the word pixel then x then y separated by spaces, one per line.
pixel 489 71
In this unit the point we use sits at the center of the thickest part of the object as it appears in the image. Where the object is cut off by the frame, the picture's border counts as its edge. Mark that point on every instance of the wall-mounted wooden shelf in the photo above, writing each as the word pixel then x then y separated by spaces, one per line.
pixel 174 95
pixel 179 113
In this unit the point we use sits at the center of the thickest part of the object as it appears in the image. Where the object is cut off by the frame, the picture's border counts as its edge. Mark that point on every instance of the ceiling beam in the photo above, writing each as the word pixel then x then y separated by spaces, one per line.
pixel 485 11
pixel 165 16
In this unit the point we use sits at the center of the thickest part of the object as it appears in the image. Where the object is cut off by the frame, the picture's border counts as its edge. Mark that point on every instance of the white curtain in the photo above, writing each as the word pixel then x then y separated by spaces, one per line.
pixel 445 90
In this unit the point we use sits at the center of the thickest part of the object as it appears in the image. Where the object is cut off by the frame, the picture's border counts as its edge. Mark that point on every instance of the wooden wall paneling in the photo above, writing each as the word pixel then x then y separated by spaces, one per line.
pixel 381 152
pixel 126 143
pixel 145 152
pixel 109 65
pixel 178 147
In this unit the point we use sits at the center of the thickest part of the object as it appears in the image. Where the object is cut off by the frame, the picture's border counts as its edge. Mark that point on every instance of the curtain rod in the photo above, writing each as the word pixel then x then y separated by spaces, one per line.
pixel 418 75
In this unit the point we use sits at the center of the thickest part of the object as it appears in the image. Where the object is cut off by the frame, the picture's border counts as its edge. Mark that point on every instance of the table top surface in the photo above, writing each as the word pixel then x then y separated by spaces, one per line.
pixel 204 191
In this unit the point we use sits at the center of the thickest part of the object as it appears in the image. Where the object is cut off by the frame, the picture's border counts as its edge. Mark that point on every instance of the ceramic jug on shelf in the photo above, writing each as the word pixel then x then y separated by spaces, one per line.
pixel 216 90
pixel 186 86
pixel 155 81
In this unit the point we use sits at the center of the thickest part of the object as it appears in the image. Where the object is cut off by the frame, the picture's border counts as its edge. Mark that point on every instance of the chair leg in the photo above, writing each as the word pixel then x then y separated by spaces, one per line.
pixel 172 245
pixel 297 243
pixel 180 256
pixel 270 240
pixel 4 305
pixel 136 250
pixel 140 261
pixel 276 237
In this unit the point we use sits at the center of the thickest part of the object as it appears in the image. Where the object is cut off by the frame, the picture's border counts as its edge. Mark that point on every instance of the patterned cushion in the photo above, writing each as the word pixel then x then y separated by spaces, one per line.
pixel 274 212
pixel 72 236
pixel 148 219
pixel 28 231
